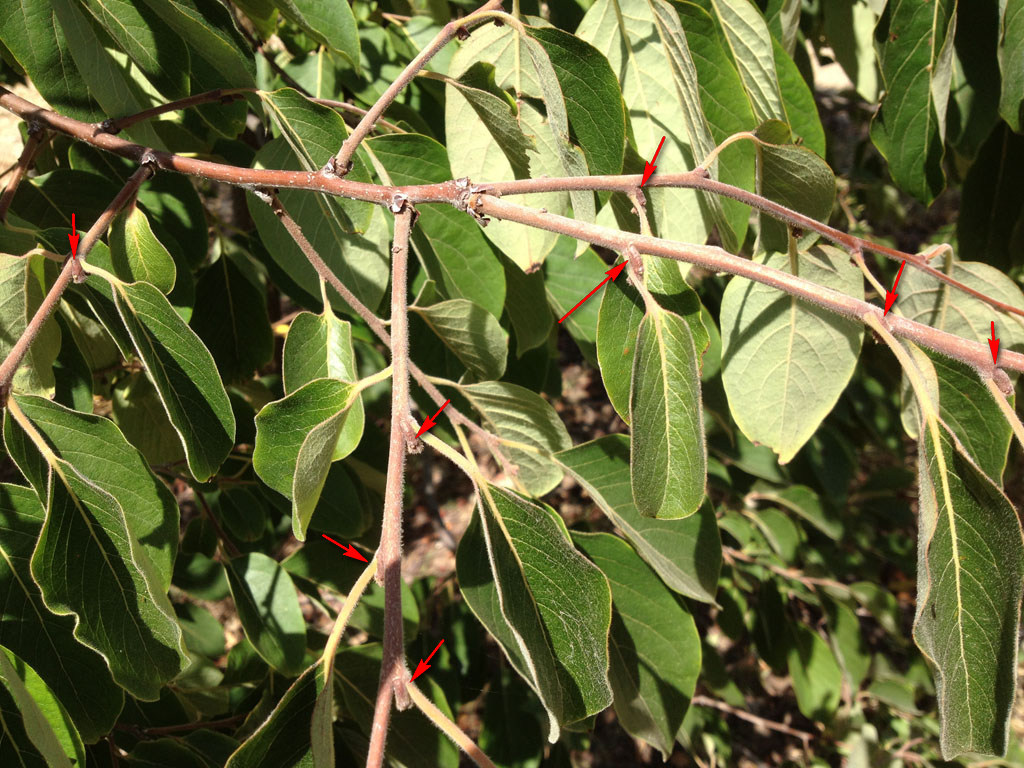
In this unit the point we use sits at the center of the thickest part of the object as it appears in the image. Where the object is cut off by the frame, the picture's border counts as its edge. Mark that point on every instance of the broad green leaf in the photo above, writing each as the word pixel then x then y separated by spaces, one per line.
pixel 784 22
pixel 46 722
pixel 243 512
pixel 329 23
pixel 654 645
pixel 848 642
pixel 686 554
pixel 1011 63
pixel 136 253
pixel 801 108
pixel 849 26
pixel 209 31
pixel 282 739
pixel 472 333
pixel 314 133
pixel 316 347
pixel 522 418
pixel 413 741
pixel 139 414
pixel 669 457
pixel 970 584
pixel 747 35
pixel 231 319
pixel 547 606
pixel 89 564
pixel 450 244
pixel 817 678
pixel 525 293
pixel 184 374
pixel 100 454
pixel 802 501
pixel 359 260
pixel 785 362
pixel 498 112
pixel 31 32
pixel 593 101
pixel 299 436
pixel 76 674
pixel 268 608
pixel 618 324
pixel 564 276
pixel 626 33
pixel 914 42
pixel 21 292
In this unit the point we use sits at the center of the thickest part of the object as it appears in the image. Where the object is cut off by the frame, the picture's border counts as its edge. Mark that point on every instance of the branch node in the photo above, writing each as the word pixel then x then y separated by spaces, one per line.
pixel 1002 381
pixel 109 126
pixel 331 168
pixel 397 205
pixel 34 127
pixel 461 33
pixel 149 158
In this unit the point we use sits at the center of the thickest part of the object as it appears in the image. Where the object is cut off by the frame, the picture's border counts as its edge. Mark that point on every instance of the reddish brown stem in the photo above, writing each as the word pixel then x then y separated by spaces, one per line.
pixel 21 169
pixel 223 95
pixel 49 303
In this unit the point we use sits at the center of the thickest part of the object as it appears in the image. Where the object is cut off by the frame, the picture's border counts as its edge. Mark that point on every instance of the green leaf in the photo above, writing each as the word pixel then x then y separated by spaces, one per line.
pixel 21 292
pixel 136 253
pixel 46 722
pixel 525 304
pixel 849 26
pixel 654 645
pixel 522 418
pixel 88 563
pixel 472 333
pixel 314 133
pixel 785 362
pixel 231 319
pixel 317 347
pixel 268 608
pixel 329 23
pixel 278 742
pixel 802 501
pixel 77 674
pixel 801 108
pixel 243 512
pixel 139 414
pixel 669 457
pixel 635 51
pixel 970 584
pixel 184 374
pixel 359 260
pixel 618 324
pixel 547 606
pixel 1011 63
pixel 914 42
pixel 563 277
pixel 299 436
pixel 453 250
pixel 817 678
pixel 100 453
pixel 593 101
pixel 686 554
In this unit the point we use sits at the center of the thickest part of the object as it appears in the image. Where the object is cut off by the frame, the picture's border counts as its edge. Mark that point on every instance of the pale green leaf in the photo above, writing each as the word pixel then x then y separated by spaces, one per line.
pixel 139 414
pixel 686 554
pixel 529 427
pixel 472 333
pixel 21 293
pixel 654 645
pixel 547 606
pixel 669 457
pixel 329 23
pixel 802 501
pixel 564 275
pixel 849 26
pixel 1011 63
pixel 317 347
pixel 268 608
pixel 136 253
pixel 184 374
pixel 786 362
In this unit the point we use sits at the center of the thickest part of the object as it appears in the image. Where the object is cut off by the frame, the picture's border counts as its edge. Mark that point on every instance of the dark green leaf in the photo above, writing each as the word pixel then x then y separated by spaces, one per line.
pixel 471 332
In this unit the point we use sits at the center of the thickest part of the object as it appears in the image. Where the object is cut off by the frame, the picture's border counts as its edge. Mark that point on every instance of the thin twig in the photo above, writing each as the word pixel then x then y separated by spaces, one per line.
pixel 341 161
pixel 706 701
pixel 222 535
pixel 346 107
pixel 730 555
pixel 167 730
pixel 71 267
pixel 21 169
pixel 1008 413
pixel 450 729
pixel 393 672
pixel 223 95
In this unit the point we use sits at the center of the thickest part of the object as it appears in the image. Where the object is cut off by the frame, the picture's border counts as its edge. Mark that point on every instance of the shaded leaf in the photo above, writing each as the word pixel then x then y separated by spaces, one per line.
pixel 471 332
pixel 281 740
pixel 1011 63
pixel 329 23
pixel 21 292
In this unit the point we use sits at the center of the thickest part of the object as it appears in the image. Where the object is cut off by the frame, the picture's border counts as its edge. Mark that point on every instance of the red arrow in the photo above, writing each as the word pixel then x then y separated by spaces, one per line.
pixel 891 296
pixel 423 666
pixel 612 274
pixel 993 343
pixel 73 237
pixel 432 420
pixel 650 167
pixel 350 551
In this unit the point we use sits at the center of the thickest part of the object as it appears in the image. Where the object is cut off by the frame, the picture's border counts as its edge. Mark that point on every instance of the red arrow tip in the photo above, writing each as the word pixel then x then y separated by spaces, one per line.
pixel 74 244
pixel 994 346
pixel 648 170
pixel 614 271
pixel 354 553
pixel 420 669
pixel 426 425
pixel 890 299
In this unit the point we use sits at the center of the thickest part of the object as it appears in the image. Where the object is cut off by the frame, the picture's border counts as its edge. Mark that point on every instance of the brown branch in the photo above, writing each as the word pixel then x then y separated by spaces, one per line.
pixel 223 95
pixel 731 555
pixel 21 168
pixel 393 672
pixel 10 364
pixel 342 161
pixel 717 260
pixel 706 701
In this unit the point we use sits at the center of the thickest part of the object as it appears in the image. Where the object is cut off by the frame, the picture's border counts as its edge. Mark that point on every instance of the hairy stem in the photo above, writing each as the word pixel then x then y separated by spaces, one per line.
pixel 1008 412
pixel 351 600
pixel 10 364
pixel 343 158
pixel 393 673
pixel 21 168
pixel 450 729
